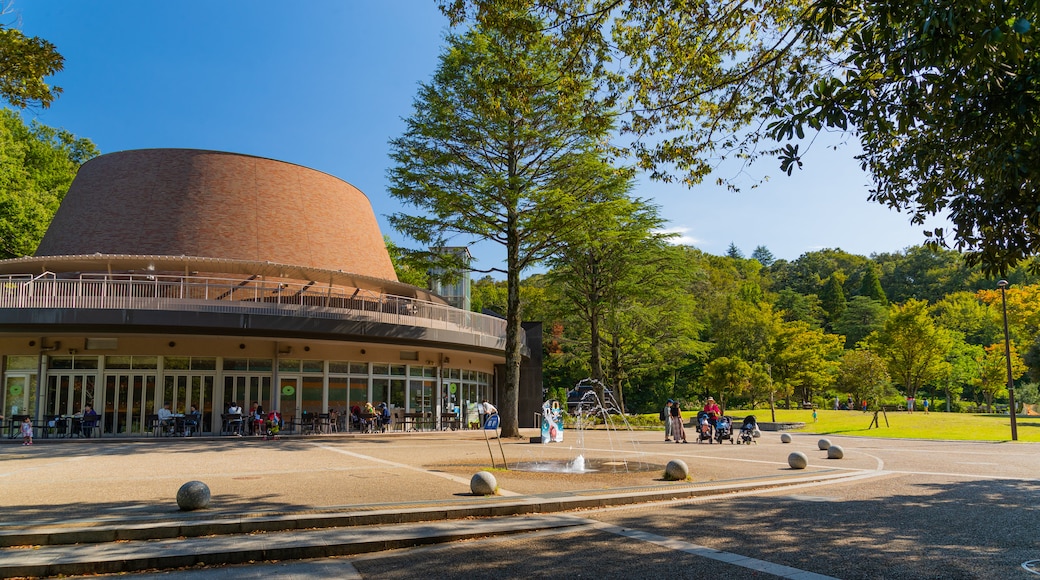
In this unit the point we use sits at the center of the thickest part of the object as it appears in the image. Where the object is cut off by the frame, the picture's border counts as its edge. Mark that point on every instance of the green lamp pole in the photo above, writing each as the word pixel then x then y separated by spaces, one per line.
pixel 1003 284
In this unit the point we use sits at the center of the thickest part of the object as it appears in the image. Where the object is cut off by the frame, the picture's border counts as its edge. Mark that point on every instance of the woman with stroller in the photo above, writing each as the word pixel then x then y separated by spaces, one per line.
pixel 712 410
pixel 677 427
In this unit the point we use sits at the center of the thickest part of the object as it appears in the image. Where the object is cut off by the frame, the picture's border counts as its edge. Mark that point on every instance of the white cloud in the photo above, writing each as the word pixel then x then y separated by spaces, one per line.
pixel 681 238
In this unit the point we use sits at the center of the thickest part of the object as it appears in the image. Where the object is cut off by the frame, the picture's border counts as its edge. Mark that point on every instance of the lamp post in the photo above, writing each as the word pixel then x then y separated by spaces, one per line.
pixel 1003 284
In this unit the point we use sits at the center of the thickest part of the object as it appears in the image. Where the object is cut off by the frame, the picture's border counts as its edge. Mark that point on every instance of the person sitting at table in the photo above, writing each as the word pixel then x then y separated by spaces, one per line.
pixel 191 421
pixel 166 419
pixel 235 418
pixel 368 417
pixel 355 417
pixel 333 420
pixel 384 417
pixel 89 420
pixel 257 417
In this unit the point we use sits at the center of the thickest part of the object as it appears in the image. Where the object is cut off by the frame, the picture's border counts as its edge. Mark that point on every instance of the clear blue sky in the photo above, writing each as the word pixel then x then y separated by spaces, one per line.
pixel 325 84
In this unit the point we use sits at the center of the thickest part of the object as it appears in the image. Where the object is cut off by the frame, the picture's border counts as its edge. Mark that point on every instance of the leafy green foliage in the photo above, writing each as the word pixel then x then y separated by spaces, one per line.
pixel 24 63
pixel 37 165
pixel 944 98
pixel 504 145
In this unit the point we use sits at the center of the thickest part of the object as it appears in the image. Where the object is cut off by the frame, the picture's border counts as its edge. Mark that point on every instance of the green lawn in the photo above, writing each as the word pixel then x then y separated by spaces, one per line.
pixel 961 426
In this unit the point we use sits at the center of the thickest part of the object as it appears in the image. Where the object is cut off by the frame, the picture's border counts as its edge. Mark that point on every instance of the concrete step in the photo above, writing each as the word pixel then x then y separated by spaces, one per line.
pixel 133 556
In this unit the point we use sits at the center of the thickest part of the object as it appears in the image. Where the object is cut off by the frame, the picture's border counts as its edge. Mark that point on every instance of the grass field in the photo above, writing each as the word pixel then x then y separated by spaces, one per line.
pixel 957 426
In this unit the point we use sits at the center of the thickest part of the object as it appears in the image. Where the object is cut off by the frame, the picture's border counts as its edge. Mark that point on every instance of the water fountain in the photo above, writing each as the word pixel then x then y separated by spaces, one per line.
pixel 591 406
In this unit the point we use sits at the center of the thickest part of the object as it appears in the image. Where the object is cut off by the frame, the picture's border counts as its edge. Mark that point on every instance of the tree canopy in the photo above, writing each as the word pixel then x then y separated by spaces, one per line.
pixel 37 165
pixel 942 95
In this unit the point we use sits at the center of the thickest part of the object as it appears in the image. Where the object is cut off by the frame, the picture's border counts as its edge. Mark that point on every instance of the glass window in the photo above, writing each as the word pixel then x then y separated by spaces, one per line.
pixel 430 372
pixel 339 366
pixel 261 364
pixel 416 371
pixel 21 363
pixel 85 362
pixel 398 370
pixel 60 362
pixel 144 362
pixel 291 365
pixel 359 368
pixel 117 362
pixel 313 366
pixel 236 364
pixel 176 363
pixel 204 364
pixel 379 369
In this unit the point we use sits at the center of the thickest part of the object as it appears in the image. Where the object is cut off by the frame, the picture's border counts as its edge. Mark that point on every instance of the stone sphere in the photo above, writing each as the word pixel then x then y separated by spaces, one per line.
pixel 824 444
pixel 756 433
pixel 785 437
pixel 483 483
pixel 676 470
pixel 835 452
pixel 193 495
pixel 797 460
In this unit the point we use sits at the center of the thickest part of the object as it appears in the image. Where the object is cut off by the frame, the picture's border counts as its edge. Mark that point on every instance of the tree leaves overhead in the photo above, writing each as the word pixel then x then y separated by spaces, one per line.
pixel 944 98
pixel 24 63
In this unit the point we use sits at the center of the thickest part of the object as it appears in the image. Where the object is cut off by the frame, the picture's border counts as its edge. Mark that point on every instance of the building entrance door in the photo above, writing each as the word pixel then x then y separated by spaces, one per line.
pixel 19 394
pixel 68 393
pixel 128 399
pixel 183 391
pixel 289 394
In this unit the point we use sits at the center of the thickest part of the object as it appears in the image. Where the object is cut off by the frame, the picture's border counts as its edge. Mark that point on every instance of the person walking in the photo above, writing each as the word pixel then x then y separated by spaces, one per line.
pixel 666 416
pixel 677 427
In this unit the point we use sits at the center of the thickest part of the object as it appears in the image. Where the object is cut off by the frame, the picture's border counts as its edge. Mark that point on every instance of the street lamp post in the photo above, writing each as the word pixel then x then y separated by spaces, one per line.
pixel 1003 284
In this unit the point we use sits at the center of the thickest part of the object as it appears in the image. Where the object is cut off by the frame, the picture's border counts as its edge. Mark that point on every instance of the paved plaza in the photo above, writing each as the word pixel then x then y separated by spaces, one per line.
pixel 399 506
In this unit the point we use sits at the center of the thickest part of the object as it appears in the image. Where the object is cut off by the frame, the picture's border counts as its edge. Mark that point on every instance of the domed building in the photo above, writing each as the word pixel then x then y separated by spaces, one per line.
pixel 198 278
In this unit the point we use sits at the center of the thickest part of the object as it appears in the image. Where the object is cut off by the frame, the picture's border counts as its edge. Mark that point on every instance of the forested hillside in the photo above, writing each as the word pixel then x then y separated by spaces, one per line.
pixel 679 323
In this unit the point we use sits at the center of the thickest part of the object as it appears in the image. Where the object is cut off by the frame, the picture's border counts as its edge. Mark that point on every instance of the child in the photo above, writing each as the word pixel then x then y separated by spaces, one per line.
pixel 814 415
pixel 27 431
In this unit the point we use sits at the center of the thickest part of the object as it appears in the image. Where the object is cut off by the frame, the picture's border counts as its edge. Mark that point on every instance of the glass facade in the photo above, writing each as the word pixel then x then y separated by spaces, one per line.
pixel 125 390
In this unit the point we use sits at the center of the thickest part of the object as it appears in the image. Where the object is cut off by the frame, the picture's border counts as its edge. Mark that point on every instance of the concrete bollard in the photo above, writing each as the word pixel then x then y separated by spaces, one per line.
pixel 785 437
pixel 483 483
pixel 676 470
pixel 797 460
pixel 835 452
pixel 824 444
pixel 193 495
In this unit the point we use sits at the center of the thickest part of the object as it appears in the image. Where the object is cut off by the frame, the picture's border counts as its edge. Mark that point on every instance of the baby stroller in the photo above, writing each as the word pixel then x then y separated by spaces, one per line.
pixel 724 430
pixel 747 430
pixel 272 425
pixel 703 427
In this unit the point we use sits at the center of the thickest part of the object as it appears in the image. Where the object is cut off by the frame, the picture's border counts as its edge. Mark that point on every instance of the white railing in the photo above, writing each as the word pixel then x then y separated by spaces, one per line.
pixel 226 295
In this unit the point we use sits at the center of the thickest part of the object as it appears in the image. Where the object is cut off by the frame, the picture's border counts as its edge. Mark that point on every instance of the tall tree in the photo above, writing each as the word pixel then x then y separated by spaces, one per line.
pixel 832 297
pixel 805 359
pixel 992 378
pixel 614 261
pixel 504 145
pixel 734 252
pixel 763 255
pixel 37 165
pixel 871 286
pixel 727 376
pixel 913 346
pixel 865 376
pixel 861 317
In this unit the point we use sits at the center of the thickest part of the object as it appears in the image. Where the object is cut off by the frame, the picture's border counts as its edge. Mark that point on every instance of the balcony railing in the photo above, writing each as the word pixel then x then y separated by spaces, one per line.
pixel 237 296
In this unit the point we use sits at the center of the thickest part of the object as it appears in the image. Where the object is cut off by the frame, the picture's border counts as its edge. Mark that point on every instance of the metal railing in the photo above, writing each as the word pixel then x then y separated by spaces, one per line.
pixel 237 296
